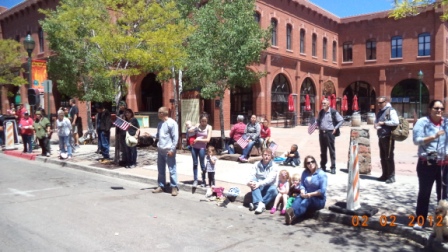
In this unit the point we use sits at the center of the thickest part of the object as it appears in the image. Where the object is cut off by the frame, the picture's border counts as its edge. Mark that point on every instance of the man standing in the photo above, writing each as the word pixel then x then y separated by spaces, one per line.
pixel 73 115
pixel 262 182
pixel 386 120
pixel 168 135
pixel 103 125
pixel 328 121
pixel 42 129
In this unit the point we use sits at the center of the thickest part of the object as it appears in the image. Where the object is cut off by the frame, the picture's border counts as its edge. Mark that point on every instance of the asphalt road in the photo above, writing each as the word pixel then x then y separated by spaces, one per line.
pixel 53 208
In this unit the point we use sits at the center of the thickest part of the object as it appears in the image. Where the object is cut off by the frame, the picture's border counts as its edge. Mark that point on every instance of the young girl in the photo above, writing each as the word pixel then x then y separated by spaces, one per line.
pixel 294 191
pixel 283 189
pixel 211 161
pixel 292 157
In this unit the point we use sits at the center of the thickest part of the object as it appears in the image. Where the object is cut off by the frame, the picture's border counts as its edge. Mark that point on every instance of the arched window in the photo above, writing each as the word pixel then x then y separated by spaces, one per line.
pixel 302 40
pixel 396 46
pixel 279 96
pixel 257 17
pixel 288 36
pixel 274 32
pixel 370 49
pixel 324 48
pixel 314 45
pixel 424 44
pixel 334 51
pixel 41 39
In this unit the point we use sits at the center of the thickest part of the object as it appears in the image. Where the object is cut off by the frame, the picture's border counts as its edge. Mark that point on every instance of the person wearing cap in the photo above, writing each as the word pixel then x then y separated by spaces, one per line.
pixel 26 130
pixel 103 124
pixel 42 130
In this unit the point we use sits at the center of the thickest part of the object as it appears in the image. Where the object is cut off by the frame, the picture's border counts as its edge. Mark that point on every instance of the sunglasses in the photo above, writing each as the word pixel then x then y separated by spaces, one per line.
pixel 310 162
pixel 438 108
pixel 381 102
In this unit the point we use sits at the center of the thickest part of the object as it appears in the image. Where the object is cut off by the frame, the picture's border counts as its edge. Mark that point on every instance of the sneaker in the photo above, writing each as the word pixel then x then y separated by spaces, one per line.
pixel 69 157
pixel 289 216
pixel 243 159
pixel 418 227
pixel 283 212
pixel 251 207
pixel 333 170
pixel 132 166
pixel 158 190
pixel 260 208
pixel 390 180
pixel 48 154
pixel 174 191
pixel 195 183
pixel 273 210
pixel 225 152
pixel 208 193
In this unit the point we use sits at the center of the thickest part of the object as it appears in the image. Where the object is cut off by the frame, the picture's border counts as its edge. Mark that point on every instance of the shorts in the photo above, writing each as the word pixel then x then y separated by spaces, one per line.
pixel 75 129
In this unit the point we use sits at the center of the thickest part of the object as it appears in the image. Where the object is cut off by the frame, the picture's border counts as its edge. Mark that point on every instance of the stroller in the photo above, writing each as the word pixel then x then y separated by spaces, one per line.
pixel 90 137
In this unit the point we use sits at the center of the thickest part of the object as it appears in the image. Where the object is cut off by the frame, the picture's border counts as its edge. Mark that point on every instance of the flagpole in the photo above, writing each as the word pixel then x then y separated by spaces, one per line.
pixel 130 124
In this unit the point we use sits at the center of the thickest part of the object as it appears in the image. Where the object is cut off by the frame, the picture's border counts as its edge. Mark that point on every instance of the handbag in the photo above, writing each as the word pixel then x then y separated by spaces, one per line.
pixel 131 141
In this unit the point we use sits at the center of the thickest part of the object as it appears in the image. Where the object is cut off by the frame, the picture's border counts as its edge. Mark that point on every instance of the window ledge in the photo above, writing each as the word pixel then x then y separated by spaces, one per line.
pixel 424 57
pixel 347 62
pixel 289 50
pixel 274 47
pixel 396 58
pixel 325 60
pixel 370 61
pixel 303 54
pixel 314 57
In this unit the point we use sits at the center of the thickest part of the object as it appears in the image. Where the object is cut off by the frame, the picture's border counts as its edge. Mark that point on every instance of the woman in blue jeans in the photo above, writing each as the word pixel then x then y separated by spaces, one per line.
pixel 134 130
pixel 313 187
pixel 430 134
pixel 203 134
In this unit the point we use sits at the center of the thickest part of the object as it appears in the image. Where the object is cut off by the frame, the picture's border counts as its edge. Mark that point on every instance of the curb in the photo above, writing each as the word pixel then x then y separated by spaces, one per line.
pixel 325 215
pixel 26 156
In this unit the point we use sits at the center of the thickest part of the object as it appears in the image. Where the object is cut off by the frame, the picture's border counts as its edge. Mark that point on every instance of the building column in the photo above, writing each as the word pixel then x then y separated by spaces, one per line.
pixel 266 88
pixel 382 83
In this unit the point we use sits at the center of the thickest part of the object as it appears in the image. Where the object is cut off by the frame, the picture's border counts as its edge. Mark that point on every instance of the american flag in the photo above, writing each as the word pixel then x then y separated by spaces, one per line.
pixel 243 141
pixel 313 125
pixel 273 146
pixel 122 124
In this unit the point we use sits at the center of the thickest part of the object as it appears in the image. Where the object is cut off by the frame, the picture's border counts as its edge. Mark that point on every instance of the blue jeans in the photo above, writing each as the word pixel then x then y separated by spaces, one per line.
pixel 198 153
pixel 64 141
pixel 292 161
pixel 27 143
pixel 301 205
pixel 162 161
pixel 103 142
pixel 248 149
pixel 229 148
pixel 264 194
pixel 131 155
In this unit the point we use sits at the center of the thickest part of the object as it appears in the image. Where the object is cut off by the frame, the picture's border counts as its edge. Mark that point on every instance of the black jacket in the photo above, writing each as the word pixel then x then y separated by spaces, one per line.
pixel 103 121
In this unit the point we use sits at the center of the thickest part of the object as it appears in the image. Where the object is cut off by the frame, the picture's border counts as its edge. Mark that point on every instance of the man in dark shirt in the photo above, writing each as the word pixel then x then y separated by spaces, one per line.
pixel 329 120
pixel 73 115
pixel 103 125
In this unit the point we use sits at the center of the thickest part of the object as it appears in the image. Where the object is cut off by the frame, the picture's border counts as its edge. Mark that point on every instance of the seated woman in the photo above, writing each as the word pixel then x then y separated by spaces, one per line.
pixel 265 135
pixel 313 189
pixel 235 134
pixel 252 132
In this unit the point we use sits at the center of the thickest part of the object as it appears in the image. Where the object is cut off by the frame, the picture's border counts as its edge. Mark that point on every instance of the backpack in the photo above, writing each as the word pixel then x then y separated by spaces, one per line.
pixel 401 131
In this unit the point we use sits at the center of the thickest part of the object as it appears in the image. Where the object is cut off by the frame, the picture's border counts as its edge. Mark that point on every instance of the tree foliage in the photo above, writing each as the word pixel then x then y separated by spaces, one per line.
pixel 226 42
pixel 406 8
pixel 10 62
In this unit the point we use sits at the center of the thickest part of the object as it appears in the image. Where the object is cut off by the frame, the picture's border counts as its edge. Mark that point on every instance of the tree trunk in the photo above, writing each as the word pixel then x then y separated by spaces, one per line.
pixel 221 122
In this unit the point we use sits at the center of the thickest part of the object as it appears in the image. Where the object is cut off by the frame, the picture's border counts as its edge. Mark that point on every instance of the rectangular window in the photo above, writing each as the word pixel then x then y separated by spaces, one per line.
pixel 424 44
pixel 334 51
pixel 370 50
pixel 347 53
pixel 288 36
pixel 302 41
pixel 396 45
pixel 324 49
pixel 314 45
pixel 274 32
pixel 41 39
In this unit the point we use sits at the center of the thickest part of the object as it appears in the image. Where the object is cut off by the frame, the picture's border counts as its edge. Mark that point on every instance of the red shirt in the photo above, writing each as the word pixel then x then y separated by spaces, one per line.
pixel 26 123
pixel 237 131
pixel 265 132
pixel 20 113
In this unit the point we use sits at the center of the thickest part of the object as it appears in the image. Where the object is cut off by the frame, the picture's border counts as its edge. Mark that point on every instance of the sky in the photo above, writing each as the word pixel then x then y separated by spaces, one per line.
pixel 341 8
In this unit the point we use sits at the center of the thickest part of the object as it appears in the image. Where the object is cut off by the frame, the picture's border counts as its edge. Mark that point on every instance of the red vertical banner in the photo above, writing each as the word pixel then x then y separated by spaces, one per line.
pixel 38 74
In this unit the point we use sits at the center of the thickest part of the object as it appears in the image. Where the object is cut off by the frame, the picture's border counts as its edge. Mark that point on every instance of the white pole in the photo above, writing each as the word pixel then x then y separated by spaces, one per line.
pixel 353 201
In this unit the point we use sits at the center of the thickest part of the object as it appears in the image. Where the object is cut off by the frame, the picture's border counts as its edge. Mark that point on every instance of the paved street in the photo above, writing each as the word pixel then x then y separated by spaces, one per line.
pixel 44 207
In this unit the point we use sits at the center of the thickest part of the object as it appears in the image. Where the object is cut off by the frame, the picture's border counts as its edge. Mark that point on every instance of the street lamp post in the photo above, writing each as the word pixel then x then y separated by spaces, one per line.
pixel 29 45
pixel 420 78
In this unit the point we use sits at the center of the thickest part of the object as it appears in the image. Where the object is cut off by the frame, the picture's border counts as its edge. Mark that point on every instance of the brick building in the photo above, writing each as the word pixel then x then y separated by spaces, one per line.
pixel 313 54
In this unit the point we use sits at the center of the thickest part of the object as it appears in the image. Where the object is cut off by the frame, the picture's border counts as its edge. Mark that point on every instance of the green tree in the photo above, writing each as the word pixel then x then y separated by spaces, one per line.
pixel 227 40
pixel 10 63
pixel 406 8
pixel 112 40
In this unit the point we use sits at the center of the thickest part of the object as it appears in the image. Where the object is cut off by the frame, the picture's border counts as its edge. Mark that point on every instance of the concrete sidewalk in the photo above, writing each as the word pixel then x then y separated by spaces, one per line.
pixel 396 202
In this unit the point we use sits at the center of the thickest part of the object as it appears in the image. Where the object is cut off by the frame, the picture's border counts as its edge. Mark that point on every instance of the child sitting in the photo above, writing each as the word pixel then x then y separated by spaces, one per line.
pixel 283 190
pixel 292 157
pixel 294 191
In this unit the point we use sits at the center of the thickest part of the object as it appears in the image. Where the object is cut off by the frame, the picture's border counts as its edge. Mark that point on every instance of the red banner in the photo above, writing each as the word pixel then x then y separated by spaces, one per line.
pixel 38 74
